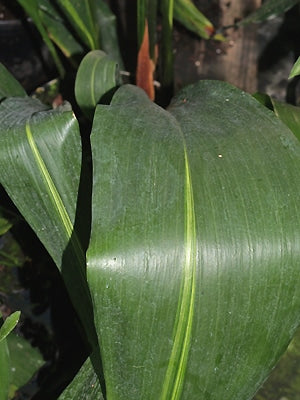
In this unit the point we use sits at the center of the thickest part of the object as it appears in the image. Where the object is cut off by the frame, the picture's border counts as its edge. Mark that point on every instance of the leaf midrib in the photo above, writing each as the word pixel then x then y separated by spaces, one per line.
pixel 174 379
pixel 55 197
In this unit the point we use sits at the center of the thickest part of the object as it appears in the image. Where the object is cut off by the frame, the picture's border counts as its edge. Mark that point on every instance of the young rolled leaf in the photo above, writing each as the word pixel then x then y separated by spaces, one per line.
pixel 193 259
pixel 269 9
pixel 188 15
pixel 9 86
pixel 296 69
pixel 96 77
pixel 40 162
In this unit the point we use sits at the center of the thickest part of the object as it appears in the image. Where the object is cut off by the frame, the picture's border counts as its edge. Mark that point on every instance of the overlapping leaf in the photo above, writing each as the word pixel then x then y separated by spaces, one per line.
pixel 193 260
pixel 40 164
pixel 287 113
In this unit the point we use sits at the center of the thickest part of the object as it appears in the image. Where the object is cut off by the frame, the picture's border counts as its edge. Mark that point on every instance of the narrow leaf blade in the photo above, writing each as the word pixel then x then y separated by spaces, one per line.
pixel 296 69
pixel 269 9
pixel 57 30
pixel 9 324
pixel 5 374
pixel 32 9
pixel 4 370
pixel 109 40
pixel 81 16
pixel 167 10
pixel 188 15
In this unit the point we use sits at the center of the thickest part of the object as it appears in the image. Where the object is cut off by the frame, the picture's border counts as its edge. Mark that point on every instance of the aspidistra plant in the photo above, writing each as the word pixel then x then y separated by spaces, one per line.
pixel 190 282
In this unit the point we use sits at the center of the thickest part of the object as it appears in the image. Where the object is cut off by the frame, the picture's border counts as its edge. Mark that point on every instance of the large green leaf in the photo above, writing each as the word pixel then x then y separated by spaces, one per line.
pixel 40 163
pixel 194 256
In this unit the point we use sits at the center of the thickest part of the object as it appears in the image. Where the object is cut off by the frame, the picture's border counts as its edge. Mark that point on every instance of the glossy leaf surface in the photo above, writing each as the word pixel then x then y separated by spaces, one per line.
pixel 194 256
pixel 40 153
pixel 96 77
